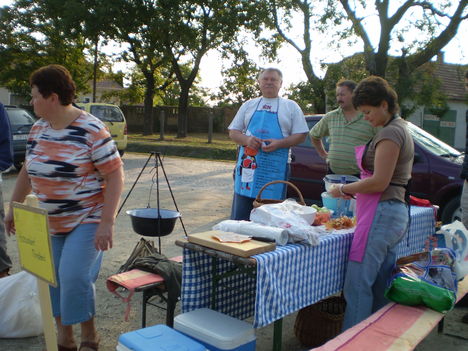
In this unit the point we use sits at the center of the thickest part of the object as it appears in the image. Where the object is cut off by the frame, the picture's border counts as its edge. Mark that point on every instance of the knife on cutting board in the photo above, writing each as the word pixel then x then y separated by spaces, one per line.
pixel 260 238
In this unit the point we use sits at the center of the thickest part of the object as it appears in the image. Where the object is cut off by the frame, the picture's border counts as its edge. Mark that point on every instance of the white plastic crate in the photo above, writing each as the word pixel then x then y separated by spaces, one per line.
pixel 217 331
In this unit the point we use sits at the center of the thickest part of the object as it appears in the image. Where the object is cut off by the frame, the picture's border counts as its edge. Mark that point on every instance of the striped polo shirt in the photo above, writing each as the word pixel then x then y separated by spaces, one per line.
pixel 344 136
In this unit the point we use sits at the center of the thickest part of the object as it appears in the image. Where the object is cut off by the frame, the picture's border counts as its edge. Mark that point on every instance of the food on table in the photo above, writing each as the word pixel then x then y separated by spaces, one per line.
pixel 343 222
pixel 228 237
pixel 322 215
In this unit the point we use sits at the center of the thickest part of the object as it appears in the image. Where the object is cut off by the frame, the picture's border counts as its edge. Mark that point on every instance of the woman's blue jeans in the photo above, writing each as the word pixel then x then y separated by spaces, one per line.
pixel 77 264
pixel 365 281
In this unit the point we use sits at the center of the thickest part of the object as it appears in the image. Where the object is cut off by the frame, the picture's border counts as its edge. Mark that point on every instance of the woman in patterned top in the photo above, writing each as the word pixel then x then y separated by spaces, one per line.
pixel 73 167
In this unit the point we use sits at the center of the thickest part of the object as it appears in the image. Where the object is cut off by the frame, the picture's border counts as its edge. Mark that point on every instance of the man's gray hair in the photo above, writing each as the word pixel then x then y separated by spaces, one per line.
pixel 271 69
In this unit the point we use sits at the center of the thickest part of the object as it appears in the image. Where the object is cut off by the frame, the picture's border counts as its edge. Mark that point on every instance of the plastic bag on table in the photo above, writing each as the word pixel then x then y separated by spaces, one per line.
pixel 425 278
pixel 287 215
pixel 455 236
pixel 20 315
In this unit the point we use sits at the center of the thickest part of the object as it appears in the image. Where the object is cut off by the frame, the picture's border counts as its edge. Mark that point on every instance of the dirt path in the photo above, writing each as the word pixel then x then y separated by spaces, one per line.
pixel 202 190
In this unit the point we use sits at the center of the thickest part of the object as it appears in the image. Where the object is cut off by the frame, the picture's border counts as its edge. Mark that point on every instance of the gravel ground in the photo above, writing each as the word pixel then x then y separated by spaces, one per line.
pixel 202 190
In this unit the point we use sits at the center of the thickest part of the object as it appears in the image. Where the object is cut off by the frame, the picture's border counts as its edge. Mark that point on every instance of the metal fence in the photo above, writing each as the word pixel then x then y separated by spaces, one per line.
pixel 198 118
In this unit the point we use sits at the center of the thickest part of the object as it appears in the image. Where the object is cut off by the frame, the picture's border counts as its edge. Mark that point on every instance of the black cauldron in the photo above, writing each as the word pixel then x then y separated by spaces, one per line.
pixel 145 221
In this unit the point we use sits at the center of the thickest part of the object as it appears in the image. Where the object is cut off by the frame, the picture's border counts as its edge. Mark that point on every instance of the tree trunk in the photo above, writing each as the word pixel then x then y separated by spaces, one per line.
pixel 148 109
pixel 381 62
pixel 183 111
pixel 317 85
pixel 96 41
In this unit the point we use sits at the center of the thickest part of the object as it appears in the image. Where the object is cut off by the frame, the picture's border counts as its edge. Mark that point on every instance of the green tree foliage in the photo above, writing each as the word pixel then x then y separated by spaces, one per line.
pixel 352 68
pixel 414 32
pixel 303 94
pixel 239 84
pixel 83 19
pixel 411 31
pixel 283 13
pixel 421 87
pixel 168 95
pixel 192 28
pixel 411 34
pixel 30 38
pixel 175 34
pixel 139 24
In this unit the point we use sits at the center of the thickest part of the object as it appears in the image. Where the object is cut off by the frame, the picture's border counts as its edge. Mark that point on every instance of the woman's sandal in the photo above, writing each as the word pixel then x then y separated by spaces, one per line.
pixel 90 345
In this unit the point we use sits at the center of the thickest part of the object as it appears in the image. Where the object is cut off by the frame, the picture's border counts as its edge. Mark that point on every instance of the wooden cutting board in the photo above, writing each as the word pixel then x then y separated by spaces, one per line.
pixel 245 249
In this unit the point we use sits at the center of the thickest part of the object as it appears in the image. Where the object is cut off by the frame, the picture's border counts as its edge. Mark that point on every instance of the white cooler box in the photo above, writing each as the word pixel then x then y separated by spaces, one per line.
pixel 217 331
pixel 157 338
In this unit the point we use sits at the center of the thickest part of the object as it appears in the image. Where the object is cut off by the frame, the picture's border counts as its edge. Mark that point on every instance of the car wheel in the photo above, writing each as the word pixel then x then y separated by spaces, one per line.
pixel 121 152
pixel 452 211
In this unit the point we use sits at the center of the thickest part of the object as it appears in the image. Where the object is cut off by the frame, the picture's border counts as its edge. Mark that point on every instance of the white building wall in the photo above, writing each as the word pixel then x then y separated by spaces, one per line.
pixel 4 96
pixel 460 130
pixel 418 118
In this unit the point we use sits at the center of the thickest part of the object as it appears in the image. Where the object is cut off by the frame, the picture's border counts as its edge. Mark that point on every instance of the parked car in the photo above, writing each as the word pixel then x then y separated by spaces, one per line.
pixel 435 176
pixel 113 118
pixel 21 122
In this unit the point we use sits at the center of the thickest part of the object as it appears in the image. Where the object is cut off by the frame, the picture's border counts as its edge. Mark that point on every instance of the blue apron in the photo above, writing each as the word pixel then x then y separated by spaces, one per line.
pixel 255 168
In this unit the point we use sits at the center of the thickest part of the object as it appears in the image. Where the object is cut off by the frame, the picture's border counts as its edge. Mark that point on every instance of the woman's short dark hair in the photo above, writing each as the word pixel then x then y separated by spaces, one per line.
pixel 54 79
pixel 372 91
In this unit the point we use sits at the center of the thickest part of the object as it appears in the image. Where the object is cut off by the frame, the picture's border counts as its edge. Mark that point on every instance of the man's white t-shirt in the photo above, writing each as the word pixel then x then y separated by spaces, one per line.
pixel 290 116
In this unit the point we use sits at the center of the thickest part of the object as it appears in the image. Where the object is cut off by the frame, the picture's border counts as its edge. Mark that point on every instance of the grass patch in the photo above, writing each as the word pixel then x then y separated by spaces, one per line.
pixel 194 145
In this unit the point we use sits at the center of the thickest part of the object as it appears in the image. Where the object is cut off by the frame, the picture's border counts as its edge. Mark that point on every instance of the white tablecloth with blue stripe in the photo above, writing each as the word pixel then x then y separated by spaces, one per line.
pixel 290 278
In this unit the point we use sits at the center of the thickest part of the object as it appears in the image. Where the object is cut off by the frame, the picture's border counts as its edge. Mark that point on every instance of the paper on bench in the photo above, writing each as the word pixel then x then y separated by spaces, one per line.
pixel 254 229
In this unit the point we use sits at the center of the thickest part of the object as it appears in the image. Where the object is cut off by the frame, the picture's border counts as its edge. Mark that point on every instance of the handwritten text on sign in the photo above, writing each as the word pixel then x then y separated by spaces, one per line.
pixel 32 234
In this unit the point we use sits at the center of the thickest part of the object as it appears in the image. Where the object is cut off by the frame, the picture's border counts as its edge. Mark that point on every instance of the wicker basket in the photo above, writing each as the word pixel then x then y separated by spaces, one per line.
pixel 320 322
pixel 259 201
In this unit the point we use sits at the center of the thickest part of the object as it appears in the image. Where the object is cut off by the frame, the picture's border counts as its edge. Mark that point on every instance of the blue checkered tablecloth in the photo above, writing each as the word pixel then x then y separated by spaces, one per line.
pixel 287 279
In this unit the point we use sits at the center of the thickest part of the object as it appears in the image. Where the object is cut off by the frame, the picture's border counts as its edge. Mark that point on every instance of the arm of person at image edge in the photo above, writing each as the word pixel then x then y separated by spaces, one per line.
pixel 236 131
pixel 386 156
pixel 6 147
pixel 22 188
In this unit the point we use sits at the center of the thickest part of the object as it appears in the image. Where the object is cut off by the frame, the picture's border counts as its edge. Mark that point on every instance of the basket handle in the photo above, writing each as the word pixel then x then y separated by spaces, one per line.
pixel 301 199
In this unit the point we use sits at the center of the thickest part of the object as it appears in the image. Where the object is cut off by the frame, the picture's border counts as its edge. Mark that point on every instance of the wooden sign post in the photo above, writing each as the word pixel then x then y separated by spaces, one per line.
pixel 35 253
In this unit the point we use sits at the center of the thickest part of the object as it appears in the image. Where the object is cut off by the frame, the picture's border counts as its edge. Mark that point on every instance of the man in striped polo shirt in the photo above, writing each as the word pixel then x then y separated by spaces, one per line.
pixel 346 128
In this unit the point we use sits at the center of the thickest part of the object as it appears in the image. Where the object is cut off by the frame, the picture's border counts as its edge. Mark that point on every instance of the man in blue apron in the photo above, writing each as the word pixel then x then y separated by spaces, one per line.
pixel 265 128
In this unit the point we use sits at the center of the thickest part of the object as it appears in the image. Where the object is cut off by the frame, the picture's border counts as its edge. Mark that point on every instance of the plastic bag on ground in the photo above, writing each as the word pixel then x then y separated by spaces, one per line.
pixel 20 315
pixel 455 236
pixel 425 278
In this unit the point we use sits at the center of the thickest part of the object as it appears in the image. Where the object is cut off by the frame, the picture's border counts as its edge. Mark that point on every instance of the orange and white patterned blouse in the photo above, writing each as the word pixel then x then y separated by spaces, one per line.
pixel 65 168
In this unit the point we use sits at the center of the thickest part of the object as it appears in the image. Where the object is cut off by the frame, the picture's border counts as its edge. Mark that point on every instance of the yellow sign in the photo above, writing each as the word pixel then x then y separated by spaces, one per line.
pixel 34 246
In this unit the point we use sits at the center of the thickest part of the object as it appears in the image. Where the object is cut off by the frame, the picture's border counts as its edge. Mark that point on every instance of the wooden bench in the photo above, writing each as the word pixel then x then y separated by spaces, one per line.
pixel 393 327
pixel 156 288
